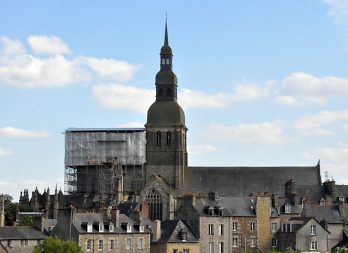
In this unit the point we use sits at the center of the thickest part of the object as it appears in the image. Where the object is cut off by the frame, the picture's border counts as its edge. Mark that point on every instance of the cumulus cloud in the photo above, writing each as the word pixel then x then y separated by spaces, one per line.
pixel 5 152
pixel 112 69
pixel 264 132
pixel 314 124
pixel 338 10
pixel 201 149
pixel 21 133
pixel 47 45
pixel 21 68
pixel 119 97
pixel 302 88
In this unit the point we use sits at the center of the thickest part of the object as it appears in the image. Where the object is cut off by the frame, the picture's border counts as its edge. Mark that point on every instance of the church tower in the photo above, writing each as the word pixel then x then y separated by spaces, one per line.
pixel 166 154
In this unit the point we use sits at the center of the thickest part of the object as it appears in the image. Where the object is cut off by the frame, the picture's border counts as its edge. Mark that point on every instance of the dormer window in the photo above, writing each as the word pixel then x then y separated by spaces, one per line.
pixel 141 228
pixel 287 208
pixel 129 228
pixel 89 228
pixel 322 202
pixel 111 227
pixel 341 198
pixel 101 227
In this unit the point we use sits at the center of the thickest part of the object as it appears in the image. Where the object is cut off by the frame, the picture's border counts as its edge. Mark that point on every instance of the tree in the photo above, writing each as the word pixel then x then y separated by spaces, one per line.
pixel 55 245
pixel 10 210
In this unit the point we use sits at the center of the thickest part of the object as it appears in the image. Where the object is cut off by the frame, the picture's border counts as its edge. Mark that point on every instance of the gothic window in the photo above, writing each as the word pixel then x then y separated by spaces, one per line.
pixel 137 182
pixel 169 138
pixel 155 204
pixel 158 135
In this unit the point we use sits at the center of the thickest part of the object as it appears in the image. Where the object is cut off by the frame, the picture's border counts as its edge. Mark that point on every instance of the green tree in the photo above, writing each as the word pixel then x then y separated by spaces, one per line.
pixel 26 221
pixel 55 245
pixel 10 210
pixel 341 250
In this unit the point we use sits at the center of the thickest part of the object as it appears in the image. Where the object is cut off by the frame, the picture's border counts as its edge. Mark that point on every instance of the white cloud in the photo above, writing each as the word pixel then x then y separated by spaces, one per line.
pixel 5 152
pixel 338 10
pixel 329 154
pixel 241 92
pixel 47 45
pixel 112 69
pixel 20 68
pixel 264 132
pixel 16 132
pixel 301 88
pixel 121 97
pixel 313 124
pixel 133 124
pixel 201 149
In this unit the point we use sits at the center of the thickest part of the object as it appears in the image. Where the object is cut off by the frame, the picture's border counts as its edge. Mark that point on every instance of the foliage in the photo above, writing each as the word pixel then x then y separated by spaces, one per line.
pixel 54 245
pixel 341 250
pixel 26 221
pixel 10 210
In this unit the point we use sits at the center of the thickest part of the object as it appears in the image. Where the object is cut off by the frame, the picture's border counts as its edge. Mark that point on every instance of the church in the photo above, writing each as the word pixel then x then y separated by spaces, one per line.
pixel 149 165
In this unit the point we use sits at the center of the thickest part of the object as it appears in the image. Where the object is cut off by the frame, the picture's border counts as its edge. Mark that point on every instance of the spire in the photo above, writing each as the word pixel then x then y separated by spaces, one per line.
pixel 166 34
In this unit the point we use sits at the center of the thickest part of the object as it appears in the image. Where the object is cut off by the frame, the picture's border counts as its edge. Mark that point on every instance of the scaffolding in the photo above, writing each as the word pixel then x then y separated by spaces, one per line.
pixel 96 160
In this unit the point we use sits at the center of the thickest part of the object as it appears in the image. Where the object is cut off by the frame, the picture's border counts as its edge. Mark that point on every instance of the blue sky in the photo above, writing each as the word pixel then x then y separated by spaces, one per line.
pixel 262 82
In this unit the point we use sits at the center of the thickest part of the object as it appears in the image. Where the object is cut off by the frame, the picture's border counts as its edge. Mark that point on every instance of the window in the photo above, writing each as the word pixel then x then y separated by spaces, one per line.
pixel 287 208
pixel 141 243
pixel 186 251
pixel 89 245
pixel 9 243
pixel 341 198
pixel 129 228
pixel 274 227
pixel 235 242
pixel 221 229
pixel 211 247
pixel 169 92
pixel 141 228
pixel 234 226
pixel 154 201
pixel 175 251
pixel 221 247
pixel 313 229
pixel 322 202
pixel 163 61
pixel 24 242
pixel 253 242
pixel 314 245
pixel 89 227
pixel 274 242
pixel 111 227
pixel 158 135
pixel 112 244
pixel 169 138
pixel 167 61
pixel 100 245
pixel 210 229
pixel 101 227
pixel 252 226
pixel 129 243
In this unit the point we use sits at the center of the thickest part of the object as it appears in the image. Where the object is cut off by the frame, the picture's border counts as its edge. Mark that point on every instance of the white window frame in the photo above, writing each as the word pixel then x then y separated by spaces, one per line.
pixel 235 226
pixel 314 245
pixel 129 228
pixel 129 244
pixel 221 229
pixel 211 247
pixel 100 244
pixel 252 242
pixel 111 227
pixel 287 208
pixel 101 227
pixel 274 227
pixel 89 245
pixel 221 247
pixel 235 242
pixel 140 243
pixel 274 242
pixel 112 243
pixel 210 229
pixel 313 229
pixel 253 226
pixel 89 227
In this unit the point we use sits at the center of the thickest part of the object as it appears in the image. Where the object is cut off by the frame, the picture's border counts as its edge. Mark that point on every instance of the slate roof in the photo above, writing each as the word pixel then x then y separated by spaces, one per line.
pixel 241 181
pixel 238 206
pixel 21 233
pixel 327 213
pixel 172 229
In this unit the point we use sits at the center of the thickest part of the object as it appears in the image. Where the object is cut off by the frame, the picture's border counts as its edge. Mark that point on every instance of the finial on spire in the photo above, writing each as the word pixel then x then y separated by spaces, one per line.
pixel 166 34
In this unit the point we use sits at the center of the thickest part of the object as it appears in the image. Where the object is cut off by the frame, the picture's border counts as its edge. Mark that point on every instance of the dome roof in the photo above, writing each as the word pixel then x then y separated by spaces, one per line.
pixel 165 113
pixel 166 76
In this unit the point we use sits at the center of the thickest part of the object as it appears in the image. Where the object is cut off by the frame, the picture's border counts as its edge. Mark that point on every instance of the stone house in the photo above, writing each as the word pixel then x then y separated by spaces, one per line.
pixel 174 236
pixel 303 235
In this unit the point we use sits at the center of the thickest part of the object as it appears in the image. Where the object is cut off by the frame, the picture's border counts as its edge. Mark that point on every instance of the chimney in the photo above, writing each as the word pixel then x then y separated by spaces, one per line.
pixel 115 217
pixel 157 231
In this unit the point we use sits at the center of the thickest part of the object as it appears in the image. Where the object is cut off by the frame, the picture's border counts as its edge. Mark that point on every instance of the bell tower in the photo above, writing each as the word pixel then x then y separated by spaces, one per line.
pixel 166 153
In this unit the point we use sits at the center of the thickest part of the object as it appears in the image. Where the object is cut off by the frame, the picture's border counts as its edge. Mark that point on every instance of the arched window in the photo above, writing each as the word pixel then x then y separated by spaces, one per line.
pixel 169 138
pixel 154 201
pixel 158 138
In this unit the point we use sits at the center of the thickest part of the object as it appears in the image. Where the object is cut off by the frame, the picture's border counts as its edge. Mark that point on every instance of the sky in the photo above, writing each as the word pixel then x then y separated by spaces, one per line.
pixel 262 83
